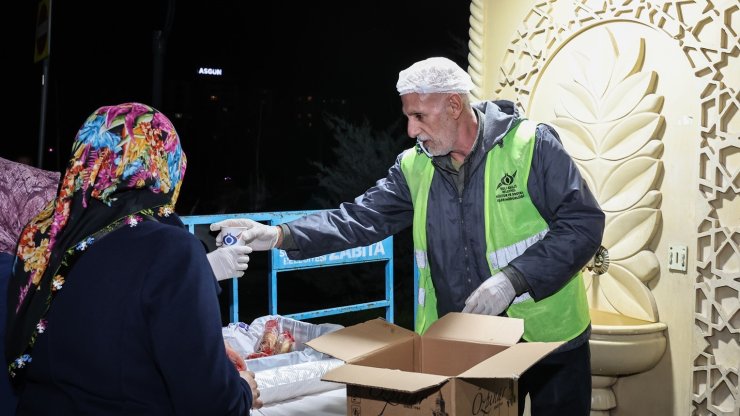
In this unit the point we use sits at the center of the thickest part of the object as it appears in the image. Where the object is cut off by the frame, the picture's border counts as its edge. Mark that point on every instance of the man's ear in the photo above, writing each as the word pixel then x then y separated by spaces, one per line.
pixel 456 105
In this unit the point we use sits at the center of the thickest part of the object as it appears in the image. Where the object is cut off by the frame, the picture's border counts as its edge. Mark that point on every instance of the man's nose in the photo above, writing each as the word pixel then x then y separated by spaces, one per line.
pixel 412 129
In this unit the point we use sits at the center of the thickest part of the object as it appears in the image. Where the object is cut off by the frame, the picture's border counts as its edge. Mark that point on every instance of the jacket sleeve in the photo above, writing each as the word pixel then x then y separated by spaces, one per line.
pixel 575 220
pixel 382 210
pixel 182 313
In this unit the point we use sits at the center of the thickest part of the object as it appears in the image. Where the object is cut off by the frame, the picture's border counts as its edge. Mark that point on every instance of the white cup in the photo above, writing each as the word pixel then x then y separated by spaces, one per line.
pixel 230 236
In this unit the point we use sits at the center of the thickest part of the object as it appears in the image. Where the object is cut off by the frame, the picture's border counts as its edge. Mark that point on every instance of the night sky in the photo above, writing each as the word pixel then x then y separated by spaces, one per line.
pixel 274 55
pixel 253 136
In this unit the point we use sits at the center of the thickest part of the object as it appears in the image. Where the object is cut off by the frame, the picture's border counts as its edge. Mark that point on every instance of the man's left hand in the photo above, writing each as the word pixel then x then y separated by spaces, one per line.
pixel 492 297
pixel 229 261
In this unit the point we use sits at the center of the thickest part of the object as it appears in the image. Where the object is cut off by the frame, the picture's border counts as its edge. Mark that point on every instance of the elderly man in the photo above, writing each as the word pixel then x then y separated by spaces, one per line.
pixel 502 224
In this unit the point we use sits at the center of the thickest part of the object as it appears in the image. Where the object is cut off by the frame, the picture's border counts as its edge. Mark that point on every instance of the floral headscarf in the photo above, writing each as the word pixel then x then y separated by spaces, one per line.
pixel 126 163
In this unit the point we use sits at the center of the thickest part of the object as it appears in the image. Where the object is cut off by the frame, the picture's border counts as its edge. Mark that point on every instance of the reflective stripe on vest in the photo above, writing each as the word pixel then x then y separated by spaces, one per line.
pixel 418 172
pixel 503 256
pixel 512 225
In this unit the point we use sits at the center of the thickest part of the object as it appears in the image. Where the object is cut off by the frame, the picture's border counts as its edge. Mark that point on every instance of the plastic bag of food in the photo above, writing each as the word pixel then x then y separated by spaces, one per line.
pixel 292 336
pixel 286 382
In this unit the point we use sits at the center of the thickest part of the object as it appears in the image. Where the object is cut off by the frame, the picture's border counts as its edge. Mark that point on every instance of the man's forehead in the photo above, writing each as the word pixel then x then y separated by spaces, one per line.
pixel 415 102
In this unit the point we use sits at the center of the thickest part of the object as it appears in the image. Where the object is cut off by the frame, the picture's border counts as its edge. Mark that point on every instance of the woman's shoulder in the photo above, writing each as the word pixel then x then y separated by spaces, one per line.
pixel 165 235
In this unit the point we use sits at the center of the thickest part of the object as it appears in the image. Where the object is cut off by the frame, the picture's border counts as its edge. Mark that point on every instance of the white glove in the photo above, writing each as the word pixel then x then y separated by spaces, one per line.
pixel 228 262
pixel 235 222
pixel 259 236
pixel 492 297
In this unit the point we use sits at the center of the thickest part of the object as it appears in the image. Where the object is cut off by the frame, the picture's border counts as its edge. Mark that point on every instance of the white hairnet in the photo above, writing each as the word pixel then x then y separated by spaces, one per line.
pixel 433 75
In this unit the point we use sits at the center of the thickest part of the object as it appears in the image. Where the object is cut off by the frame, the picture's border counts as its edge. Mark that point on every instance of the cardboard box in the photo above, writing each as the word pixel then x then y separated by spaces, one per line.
pixel 464 364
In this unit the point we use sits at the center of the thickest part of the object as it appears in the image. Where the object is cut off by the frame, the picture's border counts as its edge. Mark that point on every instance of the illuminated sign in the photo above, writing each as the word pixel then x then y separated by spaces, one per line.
pixel 210 71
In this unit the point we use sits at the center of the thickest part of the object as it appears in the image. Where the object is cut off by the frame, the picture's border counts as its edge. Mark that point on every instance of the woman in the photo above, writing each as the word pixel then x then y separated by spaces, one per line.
pixel 114 306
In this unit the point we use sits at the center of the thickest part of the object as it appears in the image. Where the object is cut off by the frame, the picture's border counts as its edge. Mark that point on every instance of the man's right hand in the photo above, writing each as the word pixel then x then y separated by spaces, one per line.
pixel 259 236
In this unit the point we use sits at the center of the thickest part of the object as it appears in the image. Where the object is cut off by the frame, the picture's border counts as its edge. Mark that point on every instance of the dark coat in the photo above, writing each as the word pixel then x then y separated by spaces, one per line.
pixel 136 329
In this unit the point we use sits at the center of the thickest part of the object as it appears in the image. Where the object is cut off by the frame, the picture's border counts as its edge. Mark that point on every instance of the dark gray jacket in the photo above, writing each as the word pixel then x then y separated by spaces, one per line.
pixel 455 221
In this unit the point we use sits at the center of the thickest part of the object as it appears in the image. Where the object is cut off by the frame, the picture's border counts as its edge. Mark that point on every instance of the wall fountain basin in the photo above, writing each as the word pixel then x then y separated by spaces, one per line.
pixel 621 345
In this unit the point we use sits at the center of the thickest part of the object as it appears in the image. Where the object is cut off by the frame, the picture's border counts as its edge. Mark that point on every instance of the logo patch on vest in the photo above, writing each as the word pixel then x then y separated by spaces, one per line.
pixel 506 190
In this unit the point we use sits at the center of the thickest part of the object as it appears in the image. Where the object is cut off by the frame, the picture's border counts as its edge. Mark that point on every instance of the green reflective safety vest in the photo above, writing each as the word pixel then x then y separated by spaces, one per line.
pixel 512 225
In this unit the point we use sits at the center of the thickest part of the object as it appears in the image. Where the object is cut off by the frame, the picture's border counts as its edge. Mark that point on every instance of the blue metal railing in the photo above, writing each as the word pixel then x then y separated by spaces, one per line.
pixel 381 251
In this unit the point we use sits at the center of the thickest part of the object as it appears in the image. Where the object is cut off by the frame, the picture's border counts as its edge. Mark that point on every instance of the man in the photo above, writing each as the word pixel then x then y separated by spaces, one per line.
pixel 503 222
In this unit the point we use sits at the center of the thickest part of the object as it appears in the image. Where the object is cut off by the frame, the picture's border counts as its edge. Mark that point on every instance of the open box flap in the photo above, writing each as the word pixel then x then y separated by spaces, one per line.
pixel 359 340
pixel 397 380
pixel 511 362
pixel 477 328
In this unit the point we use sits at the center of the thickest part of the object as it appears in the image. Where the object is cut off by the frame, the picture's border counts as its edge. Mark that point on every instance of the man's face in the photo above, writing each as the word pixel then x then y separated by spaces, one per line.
pixel 430 121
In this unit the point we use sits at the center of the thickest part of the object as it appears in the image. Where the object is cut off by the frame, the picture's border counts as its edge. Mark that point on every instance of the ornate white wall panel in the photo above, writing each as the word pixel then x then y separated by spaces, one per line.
pixel 645 96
